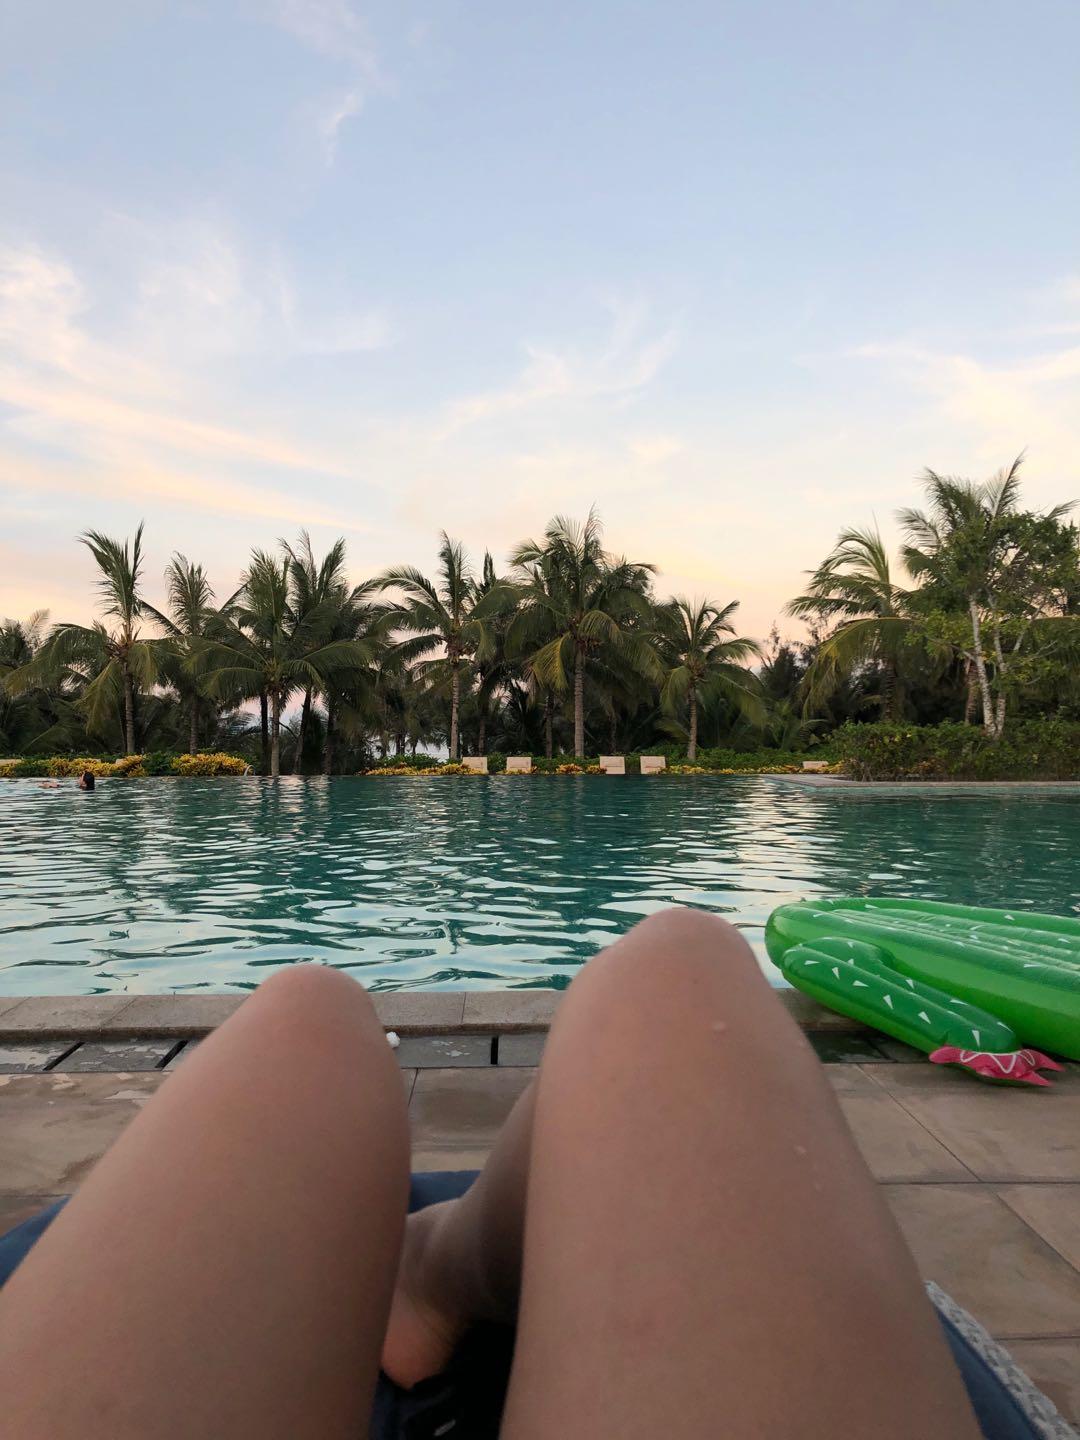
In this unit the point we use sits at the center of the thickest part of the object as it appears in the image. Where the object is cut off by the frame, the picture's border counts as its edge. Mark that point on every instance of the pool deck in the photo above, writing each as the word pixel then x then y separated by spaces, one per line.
pixel 984 1182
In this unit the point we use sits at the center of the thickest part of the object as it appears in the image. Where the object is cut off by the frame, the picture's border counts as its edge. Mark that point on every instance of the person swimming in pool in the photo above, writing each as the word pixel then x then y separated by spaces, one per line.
pixel 86 780
pixel 674 1216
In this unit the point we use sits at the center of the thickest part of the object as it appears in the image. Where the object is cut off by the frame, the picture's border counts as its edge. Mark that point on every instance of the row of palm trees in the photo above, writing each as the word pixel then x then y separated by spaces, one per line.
pixel 570 647
pixel 569 627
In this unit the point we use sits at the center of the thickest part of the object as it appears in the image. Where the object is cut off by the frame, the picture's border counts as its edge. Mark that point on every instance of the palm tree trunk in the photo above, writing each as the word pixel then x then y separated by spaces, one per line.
pixel 328 743
pixel 481 738
pixel 301 734
pixel 549 708
pixel 890 690
pixel 129 713
pixel 980 670
pixel 691 746
pixel 193 733
pixel 275 735
pixel 455 701
pixel 264 730
pixel 579 705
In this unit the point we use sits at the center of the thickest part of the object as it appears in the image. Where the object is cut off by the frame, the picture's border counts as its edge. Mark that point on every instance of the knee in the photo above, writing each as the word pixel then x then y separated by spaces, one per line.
pixel 316 1003
pixel 665 972
pixel 675 947
pixel 304 988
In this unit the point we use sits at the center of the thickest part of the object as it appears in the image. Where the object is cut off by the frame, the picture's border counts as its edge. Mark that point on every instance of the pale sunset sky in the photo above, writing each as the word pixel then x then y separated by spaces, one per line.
pixel 735 272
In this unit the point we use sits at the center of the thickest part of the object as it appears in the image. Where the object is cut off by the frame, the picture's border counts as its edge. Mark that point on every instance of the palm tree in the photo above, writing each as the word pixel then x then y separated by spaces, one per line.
pixel 314 585
pixel 699 659
pixel 350 694
pixel 270 651
pixel 23 713
pixel 574 599
pixel 493 606
pixel 445 623
pixel 112 665
pixel 853 588
pixel 191 618
pixel 976 550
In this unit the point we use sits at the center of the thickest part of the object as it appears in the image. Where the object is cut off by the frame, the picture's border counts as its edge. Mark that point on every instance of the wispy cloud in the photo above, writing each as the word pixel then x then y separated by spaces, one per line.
pixel 331 114
pixel 77 392
pixel 992 408
pixel 627 361
pixel 334 30
pixel 329 27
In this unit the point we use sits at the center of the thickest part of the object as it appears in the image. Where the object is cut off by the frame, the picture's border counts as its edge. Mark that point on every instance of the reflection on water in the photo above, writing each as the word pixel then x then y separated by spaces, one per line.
pixel 187 884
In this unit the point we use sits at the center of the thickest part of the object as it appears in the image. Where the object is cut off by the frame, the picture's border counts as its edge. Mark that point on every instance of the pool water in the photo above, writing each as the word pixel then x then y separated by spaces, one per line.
pixel 158 885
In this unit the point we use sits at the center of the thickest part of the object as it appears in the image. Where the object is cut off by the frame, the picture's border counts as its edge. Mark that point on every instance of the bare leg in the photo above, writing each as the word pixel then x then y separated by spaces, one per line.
pixel 227 1268
pixel 704 1250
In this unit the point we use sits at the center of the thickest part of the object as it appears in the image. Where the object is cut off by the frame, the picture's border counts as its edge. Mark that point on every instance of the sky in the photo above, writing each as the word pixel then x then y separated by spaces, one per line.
pixel 733 272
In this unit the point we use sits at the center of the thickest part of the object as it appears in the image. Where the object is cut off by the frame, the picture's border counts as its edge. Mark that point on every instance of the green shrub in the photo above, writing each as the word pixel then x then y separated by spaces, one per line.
pixel 217 763
pixel 158 762
pixel 27 769
pixel 406 762
pixel 1029 750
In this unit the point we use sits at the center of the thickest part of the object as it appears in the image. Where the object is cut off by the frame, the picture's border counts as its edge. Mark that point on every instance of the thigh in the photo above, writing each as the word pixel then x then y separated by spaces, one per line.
pixel 705 1253
pixel 227 1268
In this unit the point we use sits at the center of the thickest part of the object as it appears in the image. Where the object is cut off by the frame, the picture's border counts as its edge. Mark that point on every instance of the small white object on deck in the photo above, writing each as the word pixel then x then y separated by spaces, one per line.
pixel 653 764
pixel 393 1039
pixel 613 764
pixel 476 763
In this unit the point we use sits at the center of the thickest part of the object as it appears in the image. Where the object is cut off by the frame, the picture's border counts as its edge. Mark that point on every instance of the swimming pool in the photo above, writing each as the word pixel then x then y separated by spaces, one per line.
pixel 158 885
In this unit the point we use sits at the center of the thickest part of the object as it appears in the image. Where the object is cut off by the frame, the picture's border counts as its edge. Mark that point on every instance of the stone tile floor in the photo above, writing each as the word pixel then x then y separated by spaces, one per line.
pixel 985 1183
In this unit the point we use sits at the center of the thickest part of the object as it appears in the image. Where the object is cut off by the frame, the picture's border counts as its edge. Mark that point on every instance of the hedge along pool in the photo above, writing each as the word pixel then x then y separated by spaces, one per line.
pixel 188 885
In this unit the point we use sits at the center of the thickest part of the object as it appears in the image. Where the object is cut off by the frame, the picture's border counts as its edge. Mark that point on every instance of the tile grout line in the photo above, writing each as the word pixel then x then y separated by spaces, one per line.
pixel 1027 1224
pixel 57 1059
pixel 936 1138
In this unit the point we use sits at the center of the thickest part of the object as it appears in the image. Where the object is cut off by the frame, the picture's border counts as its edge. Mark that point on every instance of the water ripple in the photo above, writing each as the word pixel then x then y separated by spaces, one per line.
pixel 193 884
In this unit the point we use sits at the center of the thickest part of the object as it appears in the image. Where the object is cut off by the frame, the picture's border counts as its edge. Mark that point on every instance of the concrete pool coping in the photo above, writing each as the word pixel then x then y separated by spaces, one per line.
pixel 432 1012
pixel 926 787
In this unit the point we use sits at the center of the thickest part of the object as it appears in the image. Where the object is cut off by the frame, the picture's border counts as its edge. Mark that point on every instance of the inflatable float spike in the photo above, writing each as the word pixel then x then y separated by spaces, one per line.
pixel 1013 1067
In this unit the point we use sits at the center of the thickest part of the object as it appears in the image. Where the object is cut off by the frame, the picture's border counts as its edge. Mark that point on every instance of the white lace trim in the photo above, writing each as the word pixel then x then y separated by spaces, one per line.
pixel 1040 1410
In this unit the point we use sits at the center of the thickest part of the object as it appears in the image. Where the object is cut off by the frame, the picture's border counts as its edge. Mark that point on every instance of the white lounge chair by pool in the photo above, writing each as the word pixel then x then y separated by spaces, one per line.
pixel 476 763
pixel 653 764
pixel 519 764
pixel 613 764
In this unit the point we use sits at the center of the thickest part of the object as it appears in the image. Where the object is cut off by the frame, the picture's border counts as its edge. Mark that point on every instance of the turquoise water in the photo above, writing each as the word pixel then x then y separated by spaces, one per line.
pixel 159 885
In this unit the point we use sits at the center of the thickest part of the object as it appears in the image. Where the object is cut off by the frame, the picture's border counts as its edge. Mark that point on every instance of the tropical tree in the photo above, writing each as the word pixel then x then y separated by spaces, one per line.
pixel 271 651
pixel 1011 571
pixel 315 587
pixel 702 656
pixel 189 620
pixel 853 589
pixel 574 599
pixel 23 715
pixel 350 693
pixel 110 665
pixel 445 624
